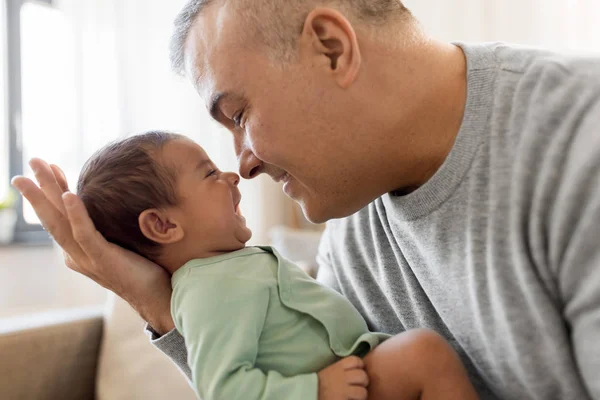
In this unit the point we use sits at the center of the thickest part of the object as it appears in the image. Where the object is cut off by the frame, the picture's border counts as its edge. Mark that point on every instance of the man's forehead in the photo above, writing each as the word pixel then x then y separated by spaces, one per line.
pixel 209 46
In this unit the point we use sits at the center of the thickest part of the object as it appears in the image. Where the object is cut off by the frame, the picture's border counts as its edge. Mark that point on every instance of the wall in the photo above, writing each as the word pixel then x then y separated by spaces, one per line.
pixel 557 24
pixel 34 279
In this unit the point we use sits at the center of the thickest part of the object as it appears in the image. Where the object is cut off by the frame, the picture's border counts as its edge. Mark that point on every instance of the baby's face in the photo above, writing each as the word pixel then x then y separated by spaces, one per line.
pixel 208 199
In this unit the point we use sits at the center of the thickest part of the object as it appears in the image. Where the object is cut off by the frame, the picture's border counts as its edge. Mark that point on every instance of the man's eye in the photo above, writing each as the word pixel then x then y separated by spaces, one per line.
pixel 237 119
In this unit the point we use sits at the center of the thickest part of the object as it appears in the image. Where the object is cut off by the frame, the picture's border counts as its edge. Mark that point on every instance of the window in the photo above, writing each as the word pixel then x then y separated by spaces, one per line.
pixel 4 173
pixel 41 118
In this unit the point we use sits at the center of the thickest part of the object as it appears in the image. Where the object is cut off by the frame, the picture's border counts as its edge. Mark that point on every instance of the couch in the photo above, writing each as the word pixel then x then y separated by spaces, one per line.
pixel 103 353
pixel 51 360
pixel 89 354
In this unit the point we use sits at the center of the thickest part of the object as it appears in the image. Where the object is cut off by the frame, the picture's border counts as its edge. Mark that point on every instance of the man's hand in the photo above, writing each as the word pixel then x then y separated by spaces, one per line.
pixel 142 283
pixel 344 380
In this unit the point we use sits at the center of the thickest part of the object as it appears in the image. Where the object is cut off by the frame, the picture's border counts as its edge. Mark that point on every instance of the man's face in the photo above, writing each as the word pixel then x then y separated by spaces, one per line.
pixel 289 121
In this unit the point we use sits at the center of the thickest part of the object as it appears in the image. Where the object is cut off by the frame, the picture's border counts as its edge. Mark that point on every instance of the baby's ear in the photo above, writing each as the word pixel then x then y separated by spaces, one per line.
pixel 159 227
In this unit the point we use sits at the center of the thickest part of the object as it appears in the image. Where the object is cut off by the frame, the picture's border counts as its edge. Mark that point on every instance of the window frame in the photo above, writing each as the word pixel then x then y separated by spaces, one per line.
pixel 24 232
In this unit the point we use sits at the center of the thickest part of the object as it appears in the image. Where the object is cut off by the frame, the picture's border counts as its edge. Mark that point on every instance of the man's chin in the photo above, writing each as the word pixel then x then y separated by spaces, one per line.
pixel 315 215
pixel 321 212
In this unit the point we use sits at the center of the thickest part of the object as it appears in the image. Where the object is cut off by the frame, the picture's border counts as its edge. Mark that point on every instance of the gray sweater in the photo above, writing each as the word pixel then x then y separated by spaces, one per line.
pixel 500 251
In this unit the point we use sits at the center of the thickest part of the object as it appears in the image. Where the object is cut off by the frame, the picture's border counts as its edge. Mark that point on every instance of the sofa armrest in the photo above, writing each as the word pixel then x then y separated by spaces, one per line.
pixel 50 360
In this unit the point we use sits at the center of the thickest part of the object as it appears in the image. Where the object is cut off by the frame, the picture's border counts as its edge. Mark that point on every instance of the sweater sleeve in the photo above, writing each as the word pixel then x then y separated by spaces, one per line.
pixel 173 346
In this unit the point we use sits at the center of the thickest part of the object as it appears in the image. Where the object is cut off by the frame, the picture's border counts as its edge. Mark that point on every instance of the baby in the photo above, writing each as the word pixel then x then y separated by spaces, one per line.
pixel 254 324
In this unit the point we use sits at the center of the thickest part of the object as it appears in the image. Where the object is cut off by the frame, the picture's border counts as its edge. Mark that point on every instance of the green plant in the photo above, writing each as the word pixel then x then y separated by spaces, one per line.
pixel 9 200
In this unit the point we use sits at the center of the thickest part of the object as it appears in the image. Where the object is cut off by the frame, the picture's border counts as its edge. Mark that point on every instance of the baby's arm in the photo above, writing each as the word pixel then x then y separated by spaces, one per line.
pixel 221 322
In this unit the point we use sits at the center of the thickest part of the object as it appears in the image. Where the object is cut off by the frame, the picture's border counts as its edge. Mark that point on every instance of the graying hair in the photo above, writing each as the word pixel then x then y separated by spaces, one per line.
pixel 182 26
pixel 283 20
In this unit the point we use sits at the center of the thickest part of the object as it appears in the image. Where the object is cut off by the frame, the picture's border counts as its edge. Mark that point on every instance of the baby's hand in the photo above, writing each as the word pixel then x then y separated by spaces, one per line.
pixel 344 380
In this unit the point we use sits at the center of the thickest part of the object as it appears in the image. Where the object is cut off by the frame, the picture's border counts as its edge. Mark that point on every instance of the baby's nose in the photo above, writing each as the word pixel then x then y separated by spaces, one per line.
pixel 233 178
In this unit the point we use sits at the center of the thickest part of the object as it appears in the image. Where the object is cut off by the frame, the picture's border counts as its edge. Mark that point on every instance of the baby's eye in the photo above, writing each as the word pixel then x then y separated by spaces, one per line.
pixel 211 172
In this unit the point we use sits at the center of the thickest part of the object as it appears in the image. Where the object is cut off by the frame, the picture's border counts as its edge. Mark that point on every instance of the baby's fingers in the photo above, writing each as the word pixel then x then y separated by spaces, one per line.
pixel 357 377
pixel 357 393
pixel 352 362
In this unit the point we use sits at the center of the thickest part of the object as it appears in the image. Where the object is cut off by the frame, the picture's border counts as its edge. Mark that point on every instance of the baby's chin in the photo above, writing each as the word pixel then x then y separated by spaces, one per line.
pixel 243 235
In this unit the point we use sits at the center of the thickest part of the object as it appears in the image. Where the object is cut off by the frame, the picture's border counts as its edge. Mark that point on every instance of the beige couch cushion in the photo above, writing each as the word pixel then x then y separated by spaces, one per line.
pixel 50 356
pixel 130 367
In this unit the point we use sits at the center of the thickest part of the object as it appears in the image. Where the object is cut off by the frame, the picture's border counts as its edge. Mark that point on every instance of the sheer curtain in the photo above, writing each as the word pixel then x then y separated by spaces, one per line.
pixel 70 105
pixel 125 86
pixel 564 25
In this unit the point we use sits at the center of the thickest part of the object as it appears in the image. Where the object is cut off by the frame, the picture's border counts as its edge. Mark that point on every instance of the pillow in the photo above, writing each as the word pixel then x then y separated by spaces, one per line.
pixel 297 245
pixel 129 366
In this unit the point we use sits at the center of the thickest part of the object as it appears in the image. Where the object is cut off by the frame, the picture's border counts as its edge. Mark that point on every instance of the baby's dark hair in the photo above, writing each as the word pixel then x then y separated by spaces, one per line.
pixel 122 180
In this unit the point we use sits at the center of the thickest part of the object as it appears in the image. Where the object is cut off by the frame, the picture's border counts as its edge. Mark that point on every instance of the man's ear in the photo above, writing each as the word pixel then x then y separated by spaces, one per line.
pixel 160 227
pixel 329 39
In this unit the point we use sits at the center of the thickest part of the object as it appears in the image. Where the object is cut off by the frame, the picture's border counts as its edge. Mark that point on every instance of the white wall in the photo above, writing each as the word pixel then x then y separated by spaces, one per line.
pixel 555 24
pixel 34 279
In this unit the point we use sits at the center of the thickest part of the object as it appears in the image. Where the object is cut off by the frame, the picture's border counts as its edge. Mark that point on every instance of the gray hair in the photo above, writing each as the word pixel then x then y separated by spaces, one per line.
pixel 183 24
pixel 283 18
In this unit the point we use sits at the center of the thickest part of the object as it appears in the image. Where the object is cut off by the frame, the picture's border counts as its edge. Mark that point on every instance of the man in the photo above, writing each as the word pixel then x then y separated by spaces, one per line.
pixel 465 180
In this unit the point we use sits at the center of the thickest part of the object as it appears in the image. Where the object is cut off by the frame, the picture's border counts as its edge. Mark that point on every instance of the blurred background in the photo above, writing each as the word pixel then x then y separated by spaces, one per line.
pixel 75 74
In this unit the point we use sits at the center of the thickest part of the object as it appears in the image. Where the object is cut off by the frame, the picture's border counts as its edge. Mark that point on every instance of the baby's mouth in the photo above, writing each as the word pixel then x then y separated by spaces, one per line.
pixel 236 207
pixel 238 213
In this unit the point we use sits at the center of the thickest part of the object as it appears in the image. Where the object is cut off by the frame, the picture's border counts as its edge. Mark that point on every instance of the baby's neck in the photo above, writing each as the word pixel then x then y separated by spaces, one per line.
pixel 173 259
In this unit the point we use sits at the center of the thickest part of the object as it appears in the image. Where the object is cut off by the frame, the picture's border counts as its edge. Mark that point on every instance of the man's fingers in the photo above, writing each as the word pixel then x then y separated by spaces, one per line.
pixel 48 183
pixel 53 220
pixel 44 209
pixel 84 231
pixel 61 178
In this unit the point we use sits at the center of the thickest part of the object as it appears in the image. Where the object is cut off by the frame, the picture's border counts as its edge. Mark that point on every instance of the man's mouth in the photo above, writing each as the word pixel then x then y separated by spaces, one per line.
pixel 282 178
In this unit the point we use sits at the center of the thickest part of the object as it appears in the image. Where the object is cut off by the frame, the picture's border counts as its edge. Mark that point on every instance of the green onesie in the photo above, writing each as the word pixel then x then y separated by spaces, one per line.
pixel 257 327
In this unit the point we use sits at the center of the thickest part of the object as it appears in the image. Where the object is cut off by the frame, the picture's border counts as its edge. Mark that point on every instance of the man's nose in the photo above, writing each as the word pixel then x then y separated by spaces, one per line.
pixel 249 165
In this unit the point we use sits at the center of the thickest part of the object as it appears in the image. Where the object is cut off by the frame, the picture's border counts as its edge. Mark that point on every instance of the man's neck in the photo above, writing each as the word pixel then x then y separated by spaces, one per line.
pixel 429 129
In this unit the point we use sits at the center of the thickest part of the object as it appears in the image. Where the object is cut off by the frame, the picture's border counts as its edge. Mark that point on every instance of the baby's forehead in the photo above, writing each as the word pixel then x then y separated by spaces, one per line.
pixel 183 153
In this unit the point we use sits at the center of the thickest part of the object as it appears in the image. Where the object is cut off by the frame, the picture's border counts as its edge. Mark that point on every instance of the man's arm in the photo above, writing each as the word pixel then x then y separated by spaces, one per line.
pixel 142 283
pixel 172 345
pixel 575 246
